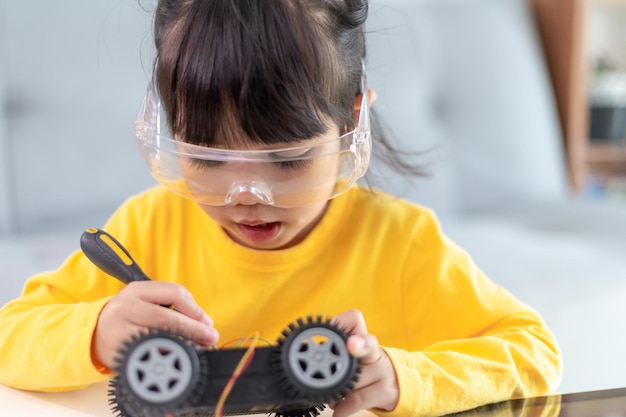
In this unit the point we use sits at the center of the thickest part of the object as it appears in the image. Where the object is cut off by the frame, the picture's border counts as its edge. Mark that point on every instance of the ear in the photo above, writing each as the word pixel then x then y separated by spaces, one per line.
pixel 371 98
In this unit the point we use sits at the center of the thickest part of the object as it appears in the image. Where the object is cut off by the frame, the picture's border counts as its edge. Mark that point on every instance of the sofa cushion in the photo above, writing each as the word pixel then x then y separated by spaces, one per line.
pixel 466 79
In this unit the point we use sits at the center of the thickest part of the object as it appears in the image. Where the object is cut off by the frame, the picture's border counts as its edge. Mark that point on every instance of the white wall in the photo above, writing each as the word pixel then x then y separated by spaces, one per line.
pixel 75 73
pixel 607 33
pixel 6 171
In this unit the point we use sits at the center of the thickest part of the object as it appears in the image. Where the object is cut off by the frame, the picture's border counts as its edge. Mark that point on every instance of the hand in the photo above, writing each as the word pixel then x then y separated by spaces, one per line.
pixel 139 306
pixel 377 386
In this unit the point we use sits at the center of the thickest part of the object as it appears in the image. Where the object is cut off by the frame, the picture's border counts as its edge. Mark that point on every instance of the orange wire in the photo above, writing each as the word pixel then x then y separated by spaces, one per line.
pixel 240 341
pixel 243 364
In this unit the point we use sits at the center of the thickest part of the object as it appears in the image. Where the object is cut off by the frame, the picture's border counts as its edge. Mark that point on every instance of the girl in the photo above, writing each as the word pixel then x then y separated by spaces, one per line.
pixel 257 125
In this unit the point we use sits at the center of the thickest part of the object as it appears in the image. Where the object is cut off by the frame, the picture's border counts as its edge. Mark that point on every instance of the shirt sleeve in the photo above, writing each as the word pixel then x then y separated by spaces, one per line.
pixel 46 333
pixel 482 345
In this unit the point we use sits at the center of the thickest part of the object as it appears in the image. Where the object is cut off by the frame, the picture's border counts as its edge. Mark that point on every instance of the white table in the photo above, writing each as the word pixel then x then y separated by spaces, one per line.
pixel 88 402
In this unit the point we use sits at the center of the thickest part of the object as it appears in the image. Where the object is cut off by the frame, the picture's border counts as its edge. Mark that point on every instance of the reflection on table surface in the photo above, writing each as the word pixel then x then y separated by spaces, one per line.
pixel 88 402
pixel 605 403
pixel 93 402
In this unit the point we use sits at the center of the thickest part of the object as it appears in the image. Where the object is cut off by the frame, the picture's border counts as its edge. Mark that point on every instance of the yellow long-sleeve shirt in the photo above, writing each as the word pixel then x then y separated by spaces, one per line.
pixel 456 339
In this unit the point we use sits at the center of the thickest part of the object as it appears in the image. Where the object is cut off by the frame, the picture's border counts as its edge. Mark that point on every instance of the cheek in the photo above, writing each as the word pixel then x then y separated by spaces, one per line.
pixel 306 217
pixel 216 213
pixel 297 218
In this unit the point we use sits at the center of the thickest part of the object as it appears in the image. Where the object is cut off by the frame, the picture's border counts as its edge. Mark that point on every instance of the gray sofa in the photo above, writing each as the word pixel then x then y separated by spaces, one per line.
pixel 467 81
pixel 463 80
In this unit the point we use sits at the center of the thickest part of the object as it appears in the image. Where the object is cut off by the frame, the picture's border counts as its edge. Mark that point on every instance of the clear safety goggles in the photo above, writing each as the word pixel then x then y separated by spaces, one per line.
pixel 291 176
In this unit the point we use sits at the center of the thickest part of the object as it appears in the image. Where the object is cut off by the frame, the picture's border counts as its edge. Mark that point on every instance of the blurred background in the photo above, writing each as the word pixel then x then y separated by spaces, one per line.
pixel 520 105
pixel 72 76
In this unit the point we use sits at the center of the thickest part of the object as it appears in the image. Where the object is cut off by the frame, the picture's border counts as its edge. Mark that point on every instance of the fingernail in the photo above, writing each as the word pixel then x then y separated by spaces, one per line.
pixel 212 336
pixel 207 320
pixel 359 347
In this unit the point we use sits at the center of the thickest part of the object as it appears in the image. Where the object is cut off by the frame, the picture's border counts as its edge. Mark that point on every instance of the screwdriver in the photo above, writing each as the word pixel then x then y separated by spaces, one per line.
pixel 110 256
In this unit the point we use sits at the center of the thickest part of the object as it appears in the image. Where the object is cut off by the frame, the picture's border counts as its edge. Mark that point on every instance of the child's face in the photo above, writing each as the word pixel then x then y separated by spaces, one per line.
pixel 251 222
pixel 266 197
pixel 264 227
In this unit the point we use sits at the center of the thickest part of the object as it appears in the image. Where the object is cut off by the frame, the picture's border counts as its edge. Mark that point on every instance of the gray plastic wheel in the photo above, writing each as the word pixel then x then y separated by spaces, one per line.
pixel 159 370
pixel 318 358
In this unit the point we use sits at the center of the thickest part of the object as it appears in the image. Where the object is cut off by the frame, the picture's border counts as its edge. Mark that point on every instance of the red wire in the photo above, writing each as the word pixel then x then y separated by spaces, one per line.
pixel 243 364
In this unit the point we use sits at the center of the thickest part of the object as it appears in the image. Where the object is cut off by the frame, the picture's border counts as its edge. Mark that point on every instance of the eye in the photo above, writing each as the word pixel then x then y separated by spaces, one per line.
pixel 285 160
pixel 297 164
pixel 204 163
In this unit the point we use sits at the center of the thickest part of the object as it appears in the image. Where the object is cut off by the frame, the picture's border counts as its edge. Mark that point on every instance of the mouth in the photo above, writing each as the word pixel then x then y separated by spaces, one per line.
pixel 259 232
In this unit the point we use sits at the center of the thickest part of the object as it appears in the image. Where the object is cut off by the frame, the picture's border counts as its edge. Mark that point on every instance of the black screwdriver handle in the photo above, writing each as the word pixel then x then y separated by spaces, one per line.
pixel 110 256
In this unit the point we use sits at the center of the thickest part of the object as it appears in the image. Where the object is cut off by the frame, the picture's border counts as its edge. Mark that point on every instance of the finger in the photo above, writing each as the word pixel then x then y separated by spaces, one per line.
pixel 378 396
pixel 166 293
pixel 154 316
pixel 373 373
pixel 364 347
pixel 351 321
pixel 361 399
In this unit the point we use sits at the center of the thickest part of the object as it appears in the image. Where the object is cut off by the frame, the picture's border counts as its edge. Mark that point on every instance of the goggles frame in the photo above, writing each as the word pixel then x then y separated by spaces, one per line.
pixel 164 156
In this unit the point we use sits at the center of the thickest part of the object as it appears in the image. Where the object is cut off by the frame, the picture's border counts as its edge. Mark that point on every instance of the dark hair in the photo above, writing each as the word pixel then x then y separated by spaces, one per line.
pixel 268 70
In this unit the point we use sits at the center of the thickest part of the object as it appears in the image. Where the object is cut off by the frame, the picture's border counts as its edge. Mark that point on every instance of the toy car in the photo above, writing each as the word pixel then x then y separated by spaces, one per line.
pixel 161 374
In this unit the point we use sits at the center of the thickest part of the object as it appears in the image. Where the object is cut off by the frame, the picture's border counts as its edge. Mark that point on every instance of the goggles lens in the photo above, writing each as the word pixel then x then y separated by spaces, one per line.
pixel 292 176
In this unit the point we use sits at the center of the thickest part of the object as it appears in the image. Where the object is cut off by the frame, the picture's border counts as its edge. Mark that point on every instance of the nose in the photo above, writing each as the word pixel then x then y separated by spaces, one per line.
pixel 248 193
